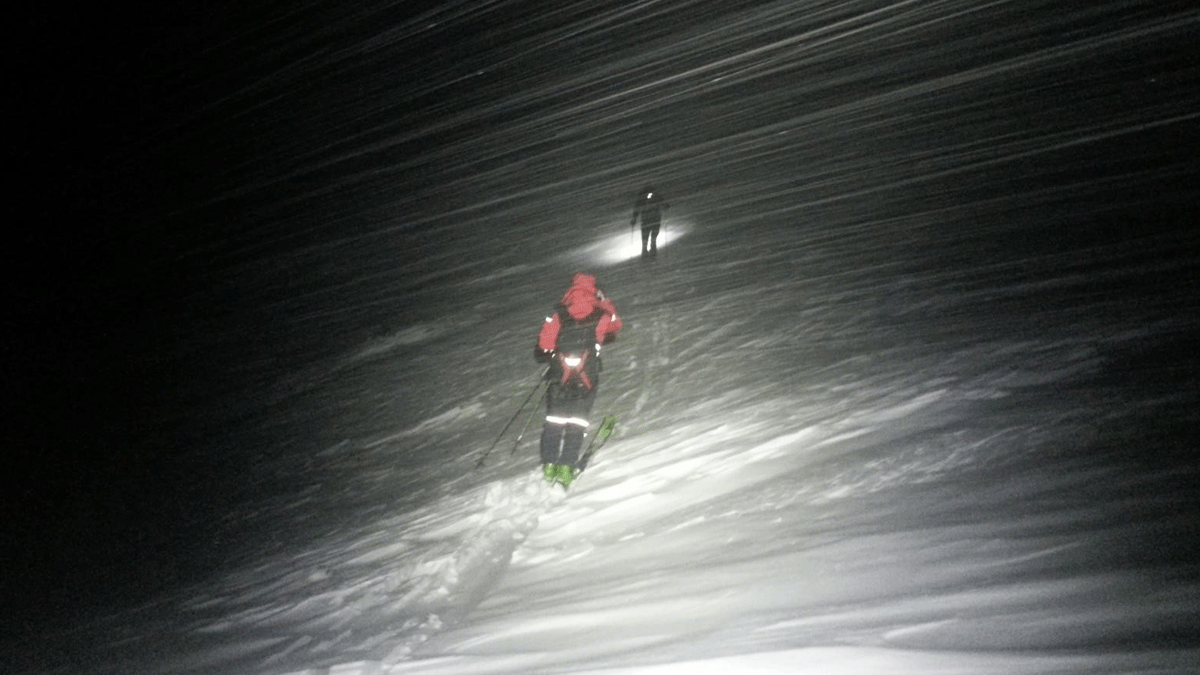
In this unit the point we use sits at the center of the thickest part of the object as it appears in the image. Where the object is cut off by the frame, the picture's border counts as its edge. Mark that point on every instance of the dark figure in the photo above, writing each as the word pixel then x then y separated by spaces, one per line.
pixel 570 342
pixel 649 206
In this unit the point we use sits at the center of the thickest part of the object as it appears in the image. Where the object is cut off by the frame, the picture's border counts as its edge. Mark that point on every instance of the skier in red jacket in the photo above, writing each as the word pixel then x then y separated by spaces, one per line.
pixel 570 342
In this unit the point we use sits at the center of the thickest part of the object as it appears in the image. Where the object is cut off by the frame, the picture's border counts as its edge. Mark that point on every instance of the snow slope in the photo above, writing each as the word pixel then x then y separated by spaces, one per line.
pixel 769 503
pixel 901 393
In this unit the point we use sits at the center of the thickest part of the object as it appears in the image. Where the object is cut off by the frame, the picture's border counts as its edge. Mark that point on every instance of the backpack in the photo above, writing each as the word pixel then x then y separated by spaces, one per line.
pixel 576 357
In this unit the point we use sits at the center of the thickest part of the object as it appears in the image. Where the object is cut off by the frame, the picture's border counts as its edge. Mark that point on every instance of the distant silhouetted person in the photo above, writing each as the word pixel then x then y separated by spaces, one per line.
pixel 649 205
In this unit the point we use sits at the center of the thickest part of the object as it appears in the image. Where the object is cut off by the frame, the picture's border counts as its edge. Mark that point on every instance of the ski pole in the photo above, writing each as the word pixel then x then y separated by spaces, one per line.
pixel 511 420
pixel 526 427
pixel 598 440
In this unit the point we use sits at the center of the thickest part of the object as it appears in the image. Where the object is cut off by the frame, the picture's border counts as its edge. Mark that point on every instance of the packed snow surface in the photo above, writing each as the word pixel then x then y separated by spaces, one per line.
pixel 884 402
pixel 774 499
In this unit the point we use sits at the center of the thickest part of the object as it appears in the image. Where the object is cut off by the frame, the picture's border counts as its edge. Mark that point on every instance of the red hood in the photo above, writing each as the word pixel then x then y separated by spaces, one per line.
pixel 580 298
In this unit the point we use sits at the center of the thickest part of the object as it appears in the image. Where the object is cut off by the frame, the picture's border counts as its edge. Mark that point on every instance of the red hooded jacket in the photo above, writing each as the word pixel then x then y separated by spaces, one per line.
pixel 580 300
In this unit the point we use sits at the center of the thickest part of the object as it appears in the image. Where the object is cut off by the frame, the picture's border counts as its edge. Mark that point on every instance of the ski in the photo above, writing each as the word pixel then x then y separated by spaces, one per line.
pixel 598 440
pixel 603 432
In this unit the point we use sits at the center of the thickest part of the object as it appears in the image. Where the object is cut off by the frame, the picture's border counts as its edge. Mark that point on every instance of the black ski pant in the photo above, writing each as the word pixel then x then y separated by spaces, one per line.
pixel 566 421
pixel 650 236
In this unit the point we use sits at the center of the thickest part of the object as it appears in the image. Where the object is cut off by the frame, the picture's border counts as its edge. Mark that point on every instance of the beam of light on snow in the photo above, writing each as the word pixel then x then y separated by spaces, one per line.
pixel 628 245
pixel 940 282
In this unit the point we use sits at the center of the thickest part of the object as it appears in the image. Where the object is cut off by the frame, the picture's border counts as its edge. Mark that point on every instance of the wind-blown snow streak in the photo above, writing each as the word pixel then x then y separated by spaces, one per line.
pixel 897 395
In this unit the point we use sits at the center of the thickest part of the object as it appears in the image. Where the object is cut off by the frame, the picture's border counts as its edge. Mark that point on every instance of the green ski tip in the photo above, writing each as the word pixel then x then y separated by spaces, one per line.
pixel 606 427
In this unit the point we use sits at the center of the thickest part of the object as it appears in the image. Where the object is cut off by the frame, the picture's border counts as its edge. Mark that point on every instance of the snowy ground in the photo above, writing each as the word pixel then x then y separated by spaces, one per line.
pixel 860 430
pixel 901 501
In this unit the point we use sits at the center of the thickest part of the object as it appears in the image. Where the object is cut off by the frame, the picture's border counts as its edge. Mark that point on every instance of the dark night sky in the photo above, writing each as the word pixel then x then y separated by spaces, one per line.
pixel 116 152
pixel 136 128
pixel 93 258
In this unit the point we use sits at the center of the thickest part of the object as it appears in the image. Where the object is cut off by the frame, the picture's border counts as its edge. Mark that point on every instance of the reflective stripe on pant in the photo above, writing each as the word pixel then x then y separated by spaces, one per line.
pixel 556 419
pixel 566 422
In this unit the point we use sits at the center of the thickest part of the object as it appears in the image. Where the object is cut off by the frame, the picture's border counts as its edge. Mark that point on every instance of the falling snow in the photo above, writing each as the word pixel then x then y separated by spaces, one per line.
pixel 904 390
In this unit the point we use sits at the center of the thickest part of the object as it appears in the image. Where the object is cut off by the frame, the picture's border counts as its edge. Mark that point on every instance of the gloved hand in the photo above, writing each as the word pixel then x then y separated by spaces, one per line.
pixel 542 355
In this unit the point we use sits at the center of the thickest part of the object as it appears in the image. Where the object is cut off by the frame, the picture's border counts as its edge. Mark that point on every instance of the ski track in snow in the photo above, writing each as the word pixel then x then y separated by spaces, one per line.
pixel 699 486
pixel 401 587
pixel 868 420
